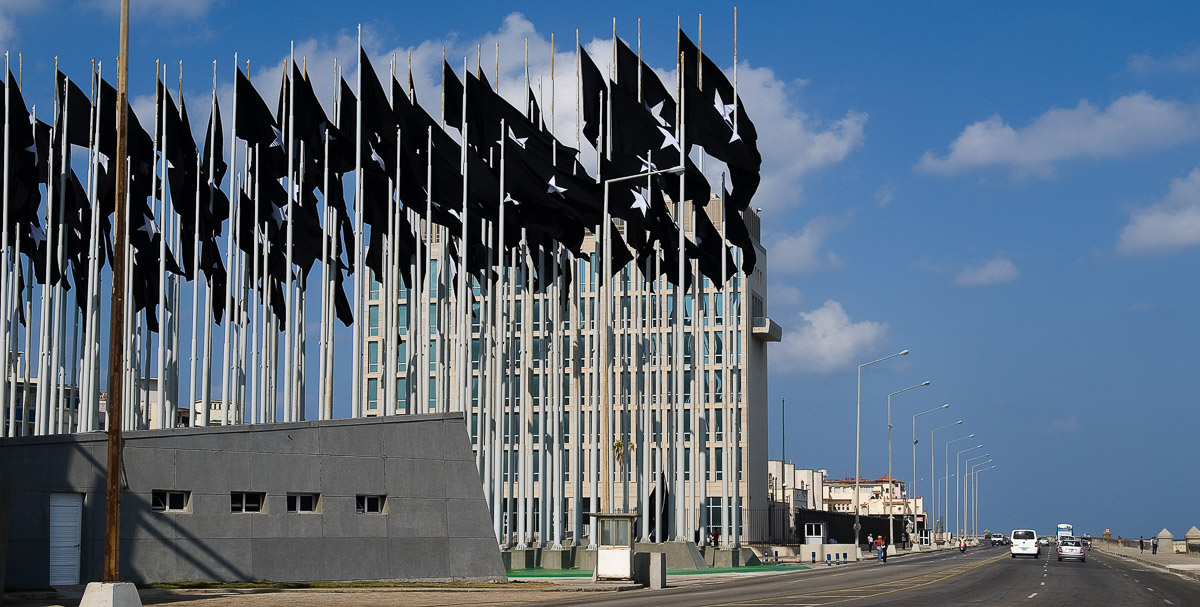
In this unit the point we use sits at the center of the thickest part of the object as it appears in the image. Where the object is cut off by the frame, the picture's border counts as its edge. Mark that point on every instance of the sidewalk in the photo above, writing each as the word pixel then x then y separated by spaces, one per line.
pixel 1183 564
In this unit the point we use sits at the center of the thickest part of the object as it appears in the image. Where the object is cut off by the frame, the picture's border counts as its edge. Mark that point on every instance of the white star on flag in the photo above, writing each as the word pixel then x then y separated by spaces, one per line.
pixel 669 140
pixel 520 141
pixel 278 141
pixel 656 111
pixel 641 201
pixel 148 227
pixel 554 188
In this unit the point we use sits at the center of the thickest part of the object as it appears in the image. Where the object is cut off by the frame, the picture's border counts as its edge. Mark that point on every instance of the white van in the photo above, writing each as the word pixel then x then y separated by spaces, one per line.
pixel 1024 542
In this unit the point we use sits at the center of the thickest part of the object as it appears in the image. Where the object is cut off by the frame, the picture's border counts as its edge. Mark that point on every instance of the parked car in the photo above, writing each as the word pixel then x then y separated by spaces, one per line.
pixel 1070 548
pixel 1024 543
pixel 997 539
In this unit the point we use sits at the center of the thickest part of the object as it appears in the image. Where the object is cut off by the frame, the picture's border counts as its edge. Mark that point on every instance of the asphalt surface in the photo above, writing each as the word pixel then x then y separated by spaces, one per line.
pixel 982 576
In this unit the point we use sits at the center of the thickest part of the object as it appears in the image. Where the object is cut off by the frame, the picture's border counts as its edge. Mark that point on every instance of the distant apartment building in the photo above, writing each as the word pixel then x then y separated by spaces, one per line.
pixel 876 497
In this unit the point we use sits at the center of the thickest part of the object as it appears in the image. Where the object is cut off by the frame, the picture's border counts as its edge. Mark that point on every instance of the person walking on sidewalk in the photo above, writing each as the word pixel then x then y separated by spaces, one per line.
pixel 883 548
pixel 879 549
pixel 1154 545
pixel 1142 543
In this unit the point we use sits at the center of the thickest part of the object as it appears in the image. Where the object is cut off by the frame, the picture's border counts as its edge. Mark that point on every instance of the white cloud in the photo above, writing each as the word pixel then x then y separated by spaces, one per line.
pixel 1129 124
pixel 825 340
pixel 786 297
pixel 793 147
pixel 801 253
pixel 1167 226
pixel 1183 62
pixel 994 271
pixel 8 32
pixel 885 195
pixel 793 144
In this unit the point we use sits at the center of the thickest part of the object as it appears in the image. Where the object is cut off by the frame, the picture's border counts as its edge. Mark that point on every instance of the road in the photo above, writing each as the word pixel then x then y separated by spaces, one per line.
pixel 982 576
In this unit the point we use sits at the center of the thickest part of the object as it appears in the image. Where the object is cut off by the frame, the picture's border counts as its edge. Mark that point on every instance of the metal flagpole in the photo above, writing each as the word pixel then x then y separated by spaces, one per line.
pixel 360 273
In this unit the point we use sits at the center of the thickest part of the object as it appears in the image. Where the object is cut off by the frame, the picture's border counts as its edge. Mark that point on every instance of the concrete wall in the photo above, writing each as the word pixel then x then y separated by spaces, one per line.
pixel 435 526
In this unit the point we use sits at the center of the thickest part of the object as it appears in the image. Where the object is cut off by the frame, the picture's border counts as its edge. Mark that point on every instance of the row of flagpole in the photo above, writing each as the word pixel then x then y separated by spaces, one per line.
pixel 250 394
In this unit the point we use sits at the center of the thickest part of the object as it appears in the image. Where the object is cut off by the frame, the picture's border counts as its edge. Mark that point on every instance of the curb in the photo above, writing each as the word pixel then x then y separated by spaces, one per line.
pixel 1194 575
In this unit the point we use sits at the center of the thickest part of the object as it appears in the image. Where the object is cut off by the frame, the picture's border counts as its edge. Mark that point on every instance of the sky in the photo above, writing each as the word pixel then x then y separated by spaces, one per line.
pixel 1010 191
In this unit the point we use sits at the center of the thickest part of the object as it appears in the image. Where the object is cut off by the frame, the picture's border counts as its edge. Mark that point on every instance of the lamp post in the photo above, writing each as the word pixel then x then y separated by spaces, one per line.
pixel 946 470
pixel 966 487
pixel 857 450
pixel 914 466
pixel 933 478
pixel 977 496
pixel 605 440
pixel 957 481
pixel 891 481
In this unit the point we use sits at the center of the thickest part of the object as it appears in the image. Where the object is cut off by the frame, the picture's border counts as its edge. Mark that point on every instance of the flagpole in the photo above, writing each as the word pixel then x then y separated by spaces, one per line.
pixel 160 367
pixel 5 400
pixel 359 271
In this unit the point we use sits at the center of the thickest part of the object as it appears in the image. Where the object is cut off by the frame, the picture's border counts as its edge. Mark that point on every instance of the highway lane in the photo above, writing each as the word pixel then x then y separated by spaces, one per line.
pixel 982 576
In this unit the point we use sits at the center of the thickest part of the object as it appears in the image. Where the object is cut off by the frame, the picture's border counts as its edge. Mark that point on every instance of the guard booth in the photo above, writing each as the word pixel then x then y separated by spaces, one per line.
pixel 814 533
pixel 614 551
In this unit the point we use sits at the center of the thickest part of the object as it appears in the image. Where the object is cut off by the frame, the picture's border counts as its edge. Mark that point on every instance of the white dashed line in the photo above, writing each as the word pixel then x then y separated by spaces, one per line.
pixel 1031 596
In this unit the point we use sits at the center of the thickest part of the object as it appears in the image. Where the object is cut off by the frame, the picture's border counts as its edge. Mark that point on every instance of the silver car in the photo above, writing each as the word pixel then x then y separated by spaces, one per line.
pixel 1071 548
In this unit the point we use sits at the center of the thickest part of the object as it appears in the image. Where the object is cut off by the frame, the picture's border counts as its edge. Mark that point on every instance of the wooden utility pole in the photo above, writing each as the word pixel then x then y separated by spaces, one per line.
pixel 116 342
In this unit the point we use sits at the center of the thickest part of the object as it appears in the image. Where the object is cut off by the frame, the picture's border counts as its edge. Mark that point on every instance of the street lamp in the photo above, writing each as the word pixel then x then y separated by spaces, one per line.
pixel 977 496
pixel 933 477
pixel 968 488
pixel 946 470
pixel 965 487
pixel 957 459
pixel 891 493
pixel 857 450
pixel 914 464
pixel 606 443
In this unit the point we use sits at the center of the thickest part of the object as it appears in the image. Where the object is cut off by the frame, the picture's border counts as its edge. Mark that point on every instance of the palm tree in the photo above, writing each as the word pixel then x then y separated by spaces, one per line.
pixel 620 448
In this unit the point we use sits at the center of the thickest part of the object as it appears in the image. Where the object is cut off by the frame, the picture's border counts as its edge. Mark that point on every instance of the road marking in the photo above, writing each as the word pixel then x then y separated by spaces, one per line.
pixel 1043 583
pixel 1031 596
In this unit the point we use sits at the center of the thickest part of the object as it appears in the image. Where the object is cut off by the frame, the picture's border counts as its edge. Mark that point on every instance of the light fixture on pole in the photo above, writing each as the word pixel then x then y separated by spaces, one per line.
pixel 931 523
pixel 857 450
pixel 605 439
pixel 946 471
pixel 912 497
pixel 891 481
pixel 965 487
pixel 957 484
pixel 977 496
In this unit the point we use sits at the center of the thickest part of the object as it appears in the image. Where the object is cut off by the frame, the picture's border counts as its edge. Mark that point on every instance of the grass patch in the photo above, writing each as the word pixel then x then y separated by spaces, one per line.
pixel 578 573
pixel 322 584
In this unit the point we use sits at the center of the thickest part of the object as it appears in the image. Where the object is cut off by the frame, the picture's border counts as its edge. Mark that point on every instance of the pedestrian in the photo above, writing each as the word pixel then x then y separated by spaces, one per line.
pixel 870 540
pixel 1141 543
pixel 879 549
pixel 883 548
pixel 1154 545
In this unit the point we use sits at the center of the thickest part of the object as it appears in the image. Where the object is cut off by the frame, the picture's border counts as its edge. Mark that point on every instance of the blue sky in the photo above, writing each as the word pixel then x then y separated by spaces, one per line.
pixel 1010 191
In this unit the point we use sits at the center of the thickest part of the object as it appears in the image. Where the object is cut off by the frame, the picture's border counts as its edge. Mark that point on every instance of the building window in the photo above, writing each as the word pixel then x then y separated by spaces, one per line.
pixel 170 501
pixel 247 501
pixel 370 504
pixel 303 503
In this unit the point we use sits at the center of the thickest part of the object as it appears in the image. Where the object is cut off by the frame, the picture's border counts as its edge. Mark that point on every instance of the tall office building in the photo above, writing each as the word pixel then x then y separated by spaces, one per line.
pixel 687 430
